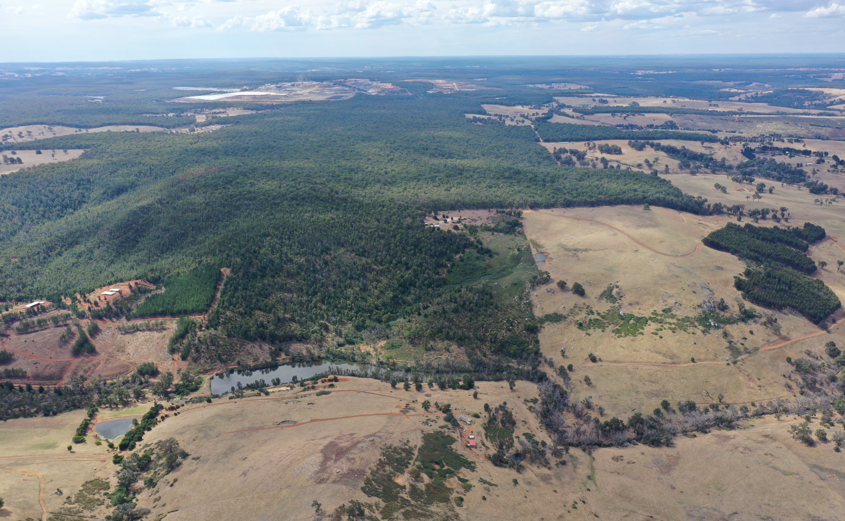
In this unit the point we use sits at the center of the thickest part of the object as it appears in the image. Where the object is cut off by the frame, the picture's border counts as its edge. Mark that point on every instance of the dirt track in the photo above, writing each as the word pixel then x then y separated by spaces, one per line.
pixel 780 343
pixel 697 248
pixel 327 420
pixel 42 494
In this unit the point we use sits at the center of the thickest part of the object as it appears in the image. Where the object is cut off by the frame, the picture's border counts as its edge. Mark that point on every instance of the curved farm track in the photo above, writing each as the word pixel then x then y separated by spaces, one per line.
pixel 835 240
pixel 328 420
pixel 646 246
pixel 42 494
pixel 662 365
pixel 780 343
pixel 316 420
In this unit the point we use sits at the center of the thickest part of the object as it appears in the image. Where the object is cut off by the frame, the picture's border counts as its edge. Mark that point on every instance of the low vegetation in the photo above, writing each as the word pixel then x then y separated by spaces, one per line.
pixel 421 498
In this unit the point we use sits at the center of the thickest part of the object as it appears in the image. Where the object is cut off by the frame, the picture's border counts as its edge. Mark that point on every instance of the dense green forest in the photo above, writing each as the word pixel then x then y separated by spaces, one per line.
pixel 563 132
pixel 316 208
pixel 781 281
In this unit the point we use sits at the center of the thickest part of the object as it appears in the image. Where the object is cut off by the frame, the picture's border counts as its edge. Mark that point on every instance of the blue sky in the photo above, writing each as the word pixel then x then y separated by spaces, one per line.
pixel 70 30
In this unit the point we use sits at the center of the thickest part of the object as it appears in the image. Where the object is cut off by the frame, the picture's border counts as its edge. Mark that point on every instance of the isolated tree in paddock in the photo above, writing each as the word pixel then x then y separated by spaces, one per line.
pixel 561 284
pixel 578 289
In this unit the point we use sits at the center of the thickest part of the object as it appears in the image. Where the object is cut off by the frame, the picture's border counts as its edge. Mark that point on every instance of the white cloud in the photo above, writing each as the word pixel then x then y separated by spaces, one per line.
pixel 273 15
pixel 97 9
pixel 355 14
pixel 231 23
pixel 829 11
pixel 14 10
pixel 562 9
pixel 195 22
pixel 641 24
pixel 289 18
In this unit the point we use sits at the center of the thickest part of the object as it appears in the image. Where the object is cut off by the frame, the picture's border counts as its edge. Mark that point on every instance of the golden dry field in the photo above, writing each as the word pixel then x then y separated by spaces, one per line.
pixel 651 264
pixel 244 465
pixel 32 158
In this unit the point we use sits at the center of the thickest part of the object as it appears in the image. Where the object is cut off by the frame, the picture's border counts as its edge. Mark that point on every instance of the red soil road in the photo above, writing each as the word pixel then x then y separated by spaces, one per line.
pixel 42 495
pixel 697 248
pixel 780 343
pixel 327 420
pixel 291 397
pixel 664 365
pixel 835 240
pixel 312 420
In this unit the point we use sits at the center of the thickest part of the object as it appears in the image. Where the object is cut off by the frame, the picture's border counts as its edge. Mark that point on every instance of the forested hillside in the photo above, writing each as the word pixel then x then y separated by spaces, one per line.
pixel 317 209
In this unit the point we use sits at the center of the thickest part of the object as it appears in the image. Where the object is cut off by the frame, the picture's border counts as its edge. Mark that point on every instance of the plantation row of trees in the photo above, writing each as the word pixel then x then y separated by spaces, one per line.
pixel 759 246
pixel 685 156
pixel 24 401
pixel 784 288
pixel 562 132
pixel 184 294
pixel 771 169
pixel 667 109
pixel 781 281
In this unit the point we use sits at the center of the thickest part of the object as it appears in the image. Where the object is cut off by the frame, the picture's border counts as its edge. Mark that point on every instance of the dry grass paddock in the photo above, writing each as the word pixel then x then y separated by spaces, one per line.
pixel 32 158
pixel 243 465
pixel 654 260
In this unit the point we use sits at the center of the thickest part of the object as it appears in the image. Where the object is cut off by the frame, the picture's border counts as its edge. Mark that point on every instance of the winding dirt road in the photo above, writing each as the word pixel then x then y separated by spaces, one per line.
pixel 646 246
pixel 780 343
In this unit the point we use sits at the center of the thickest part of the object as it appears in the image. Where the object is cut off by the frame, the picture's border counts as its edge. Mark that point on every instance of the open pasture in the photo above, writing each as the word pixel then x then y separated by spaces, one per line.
pixel 244 464
pixel 32 158
pixel 650 266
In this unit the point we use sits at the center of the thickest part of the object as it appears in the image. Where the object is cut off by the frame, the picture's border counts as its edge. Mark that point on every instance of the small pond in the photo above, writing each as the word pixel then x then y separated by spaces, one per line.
pixel 114 428
pixel 541 259
pixel 285 373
